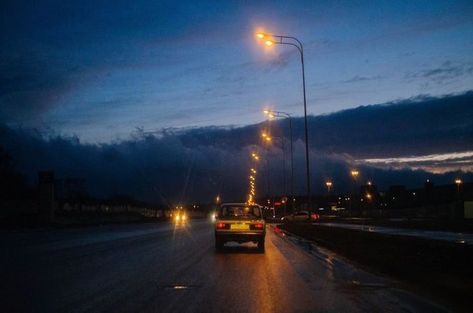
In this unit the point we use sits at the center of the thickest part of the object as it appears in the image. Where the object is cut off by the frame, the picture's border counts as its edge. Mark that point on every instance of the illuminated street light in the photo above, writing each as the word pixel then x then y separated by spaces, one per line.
pixel 329 185
pixel 266 137
pixel 293 41
pixel 272 114
pixel 354 174
pixel 458 182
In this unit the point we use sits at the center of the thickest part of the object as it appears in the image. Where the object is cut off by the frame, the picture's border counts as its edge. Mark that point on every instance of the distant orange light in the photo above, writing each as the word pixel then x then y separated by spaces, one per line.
pixel 268 43
pixel 260 35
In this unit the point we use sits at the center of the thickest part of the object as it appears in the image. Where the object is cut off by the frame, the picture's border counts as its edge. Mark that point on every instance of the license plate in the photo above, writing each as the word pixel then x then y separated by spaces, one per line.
pixel 239 227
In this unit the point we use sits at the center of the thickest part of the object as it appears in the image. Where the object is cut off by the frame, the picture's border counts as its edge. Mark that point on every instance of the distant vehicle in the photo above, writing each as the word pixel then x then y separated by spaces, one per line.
pixel 239 222
pixel 179 216
pixel 301 216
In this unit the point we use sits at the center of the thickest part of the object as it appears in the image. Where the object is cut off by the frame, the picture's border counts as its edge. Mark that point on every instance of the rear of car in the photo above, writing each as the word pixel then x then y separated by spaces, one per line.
pixel 301 216
pixel 239 222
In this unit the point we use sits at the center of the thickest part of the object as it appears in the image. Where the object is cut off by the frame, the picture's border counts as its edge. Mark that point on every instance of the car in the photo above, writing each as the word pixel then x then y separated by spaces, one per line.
pixel 239 222
pixel 301 216
pixel 179 216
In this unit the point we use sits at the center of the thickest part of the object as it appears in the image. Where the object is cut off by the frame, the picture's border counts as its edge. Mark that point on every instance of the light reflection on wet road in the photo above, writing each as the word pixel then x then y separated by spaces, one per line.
pixel 463 238
pixel 156 268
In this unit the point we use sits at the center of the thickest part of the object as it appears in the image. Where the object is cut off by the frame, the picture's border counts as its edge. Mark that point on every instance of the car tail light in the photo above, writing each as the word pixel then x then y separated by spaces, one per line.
pixel 258 226
pixel 314 216
pixel 221 225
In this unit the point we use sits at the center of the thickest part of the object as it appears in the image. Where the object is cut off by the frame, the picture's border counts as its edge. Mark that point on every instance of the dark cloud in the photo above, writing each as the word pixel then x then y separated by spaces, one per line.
pixel 445 73
pixel 29 86
pixel 196 164
pixel 358 78
pixel 408 127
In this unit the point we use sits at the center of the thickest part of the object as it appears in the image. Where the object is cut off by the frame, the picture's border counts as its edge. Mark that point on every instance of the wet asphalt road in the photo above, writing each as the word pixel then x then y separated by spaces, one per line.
pixel 160 268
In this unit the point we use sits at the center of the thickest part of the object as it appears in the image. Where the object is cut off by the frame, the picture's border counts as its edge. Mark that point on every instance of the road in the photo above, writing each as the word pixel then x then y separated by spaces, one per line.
pixel 463 238
pixel 161 268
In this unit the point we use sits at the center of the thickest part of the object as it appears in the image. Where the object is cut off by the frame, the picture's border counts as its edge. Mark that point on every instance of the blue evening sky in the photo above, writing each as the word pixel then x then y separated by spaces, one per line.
pixel 99 69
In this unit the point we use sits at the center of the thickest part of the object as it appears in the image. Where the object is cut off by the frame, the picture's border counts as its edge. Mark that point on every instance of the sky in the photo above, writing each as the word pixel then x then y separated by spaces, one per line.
pixel 401 143
pixel 163 100
pixel 99 70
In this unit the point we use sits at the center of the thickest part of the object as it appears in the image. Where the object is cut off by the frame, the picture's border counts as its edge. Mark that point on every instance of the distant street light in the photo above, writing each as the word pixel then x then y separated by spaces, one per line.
pixel 354 174
pixel 329 185
pixel 273 114
pixel 269 40
pixel 458 182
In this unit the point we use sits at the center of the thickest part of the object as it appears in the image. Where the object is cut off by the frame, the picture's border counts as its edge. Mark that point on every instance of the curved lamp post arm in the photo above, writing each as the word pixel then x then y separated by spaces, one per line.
pixel 279 39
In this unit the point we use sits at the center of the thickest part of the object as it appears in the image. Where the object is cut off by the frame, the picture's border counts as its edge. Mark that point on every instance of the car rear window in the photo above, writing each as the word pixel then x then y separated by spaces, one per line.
pixel 239 212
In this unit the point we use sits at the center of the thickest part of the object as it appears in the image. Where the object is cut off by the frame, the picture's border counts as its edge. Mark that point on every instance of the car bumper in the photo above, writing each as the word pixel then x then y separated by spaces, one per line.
pixel 239 236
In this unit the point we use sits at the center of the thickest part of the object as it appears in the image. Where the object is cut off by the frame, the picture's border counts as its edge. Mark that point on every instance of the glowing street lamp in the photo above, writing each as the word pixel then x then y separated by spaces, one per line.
pixel 269 40
pixel 354 174
pixel 329 185
pixel 458 182
pixel 273 114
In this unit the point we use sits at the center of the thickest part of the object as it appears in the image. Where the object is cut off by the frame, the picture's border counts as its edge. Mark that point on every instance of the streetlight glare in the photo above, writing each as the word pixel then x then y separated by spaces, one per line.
pixel 259 35
pixel 268 43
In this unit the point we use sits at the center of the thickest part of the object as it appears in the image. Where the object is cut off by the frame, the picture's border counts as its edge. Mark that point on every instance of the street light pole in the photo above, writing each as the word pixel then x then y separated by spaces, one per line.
pixel 280 39
pixel 271 114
